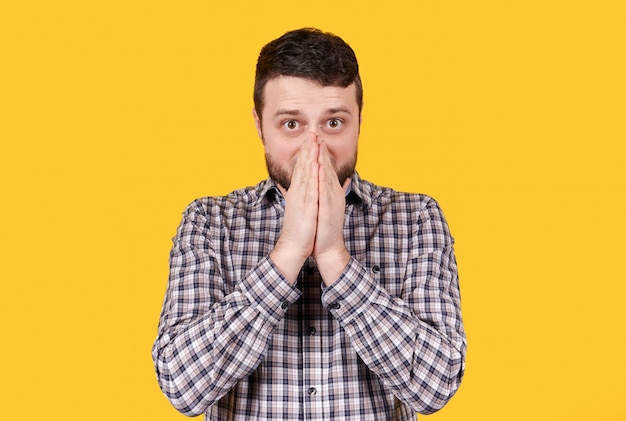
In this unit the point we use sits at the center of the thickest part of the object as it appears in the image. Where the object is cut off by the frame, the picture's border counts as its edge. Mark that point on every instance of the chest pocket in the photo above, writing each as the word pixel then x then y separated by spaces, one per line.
pixel 389 274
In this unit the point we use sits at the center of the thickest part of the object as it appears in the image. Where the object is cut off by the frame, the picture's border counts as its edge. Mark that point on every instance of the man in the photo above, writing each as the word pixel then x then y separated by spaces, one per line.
pixel 315 294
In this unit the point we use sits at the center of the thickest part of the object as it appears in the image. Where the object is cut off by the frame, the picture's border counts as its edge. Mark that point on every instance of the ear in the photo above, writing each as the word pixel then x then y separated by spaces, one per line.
pixel 257 123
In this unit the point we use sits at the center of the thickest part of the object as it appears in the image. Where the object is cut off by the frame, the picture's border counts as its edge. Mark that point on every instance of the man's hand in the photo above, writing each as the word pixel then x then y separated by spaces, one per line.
pixel 329 251
pixel 314 214
pixel 297 236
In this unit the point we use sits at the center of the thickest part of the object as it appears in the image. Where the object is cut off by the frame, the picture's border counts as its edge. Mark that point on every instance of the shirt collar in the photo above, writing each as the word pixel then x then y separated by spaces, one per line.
pixel 358 191
pixel 267 189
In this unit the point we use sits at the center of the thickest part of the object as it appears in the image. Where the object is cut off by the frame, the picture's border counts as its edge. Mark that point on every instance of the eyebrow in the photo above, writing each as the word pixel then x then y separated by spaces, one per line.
pixel 339 110
pixel 281 111
pixel 297 112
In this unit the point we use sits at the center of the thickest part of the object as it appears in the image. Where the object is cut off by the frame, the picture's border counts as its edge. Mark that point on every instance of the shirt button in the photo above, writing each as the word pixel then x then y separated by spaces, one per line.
pixel 335 306
pixel 284 305
pixel 375 268
pixel 311 331
pixel 312 391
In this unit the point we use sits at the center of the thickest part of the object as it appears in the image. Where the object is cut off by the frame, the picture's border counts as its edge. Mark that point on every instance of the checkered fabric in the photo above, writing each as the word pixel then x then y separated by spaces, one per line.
pixel 236 341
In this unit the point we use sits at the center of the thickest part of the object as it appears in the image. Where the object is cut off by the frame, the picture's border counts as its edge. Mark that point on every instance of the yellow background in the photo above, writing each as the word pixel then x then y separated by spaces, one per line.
pixel 116 114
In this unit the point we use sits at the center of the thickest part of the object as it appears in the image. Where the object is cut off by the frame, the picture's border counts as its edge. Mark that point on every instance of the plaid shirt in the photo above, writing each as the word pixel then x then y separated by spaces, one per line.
pixel 236 341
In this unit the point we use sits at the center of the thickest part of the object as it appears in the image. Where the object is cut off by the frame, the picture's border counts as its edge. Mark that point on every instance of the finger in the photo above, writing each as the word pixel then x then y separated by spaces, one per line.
pixel 346 185
pixel 328 175
pixel 312 160
pixel 305 184
pixel 306 155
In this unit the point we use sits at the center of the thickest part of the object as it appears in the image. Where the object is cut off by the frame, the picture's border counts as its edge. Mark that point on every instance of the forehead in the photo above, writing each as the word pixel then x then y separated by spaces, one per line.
pixel 300 93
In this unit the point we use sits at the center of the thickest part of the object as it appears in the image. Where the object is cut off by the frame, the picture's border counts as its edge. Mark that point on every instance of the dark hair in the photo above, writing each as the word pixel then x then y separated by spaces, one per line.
pixel 311 54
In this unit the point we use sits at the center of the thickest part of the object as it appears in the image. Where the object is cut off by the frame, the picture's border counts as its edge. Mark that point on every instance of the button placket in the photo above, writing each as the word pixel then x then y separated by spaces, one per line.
pixel 313 331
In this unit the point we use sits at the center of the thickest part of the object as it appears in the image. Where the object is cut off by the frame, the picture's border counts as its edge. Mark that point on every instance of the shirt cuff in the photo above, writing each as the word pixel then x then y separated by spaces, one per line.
pixel 269 291
pixel 351 293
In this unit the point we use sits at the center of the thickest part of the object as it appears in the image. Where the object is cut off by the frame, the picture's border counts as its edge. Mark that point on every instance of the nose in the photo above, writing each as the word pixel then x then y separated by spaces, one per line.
pixel 315 130
pixel 315 133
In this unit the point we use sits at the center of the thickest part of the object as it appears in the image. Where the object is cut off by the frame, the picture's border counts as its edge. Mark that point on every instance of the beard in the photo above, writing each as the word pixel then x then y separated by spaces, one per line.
pixel 282 176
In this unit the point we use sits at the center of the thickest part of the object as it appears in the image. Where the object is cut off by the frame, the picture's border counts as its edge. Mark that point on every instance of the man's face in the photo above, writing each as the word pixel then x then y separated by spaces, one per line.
pixel 293 108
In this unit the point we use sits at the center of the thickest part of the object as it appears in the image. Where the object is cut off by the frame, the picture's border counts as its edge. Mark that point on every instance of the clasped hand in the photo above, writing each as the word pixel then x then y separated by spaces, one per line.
pixel 314 215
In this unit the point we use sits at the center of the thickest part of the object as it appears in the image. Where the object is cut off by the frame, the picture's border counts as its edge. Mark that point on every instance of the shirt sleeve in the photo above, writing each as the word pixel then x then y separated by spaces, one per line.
pixel 415 342
pixel 212 335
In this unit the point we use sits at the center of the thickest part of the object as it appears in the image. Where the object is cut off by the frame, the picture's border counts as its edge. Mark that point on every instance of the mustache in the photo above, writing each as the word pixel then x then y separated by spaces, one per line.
pixel 281 175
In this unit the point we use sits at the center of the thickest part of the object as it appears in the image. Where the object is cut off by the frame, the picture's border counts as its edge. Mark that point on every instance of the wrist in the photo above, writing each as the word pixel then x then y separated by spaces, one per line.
pixel 332 263
pixel 287 262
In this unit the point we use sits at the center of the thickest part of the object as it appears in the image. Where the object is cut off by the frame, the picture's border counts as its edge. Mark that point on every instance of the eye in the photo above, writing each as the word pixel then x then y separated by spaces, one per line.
pixel 334 123
pixel 291 125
